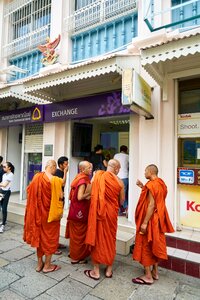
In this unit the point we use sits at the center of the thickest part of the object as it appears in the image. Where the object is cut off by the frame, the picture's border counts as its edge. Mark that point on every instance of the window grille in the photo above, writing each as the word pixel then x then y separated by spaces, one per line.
pixel 83 3
pixel 29 24
pixel 33 129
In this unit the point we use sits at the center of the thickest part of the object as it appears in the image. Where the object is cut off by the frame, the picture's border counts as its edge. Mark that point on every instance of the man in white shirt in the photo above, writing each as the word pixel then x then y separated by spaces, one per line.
pixel 123 158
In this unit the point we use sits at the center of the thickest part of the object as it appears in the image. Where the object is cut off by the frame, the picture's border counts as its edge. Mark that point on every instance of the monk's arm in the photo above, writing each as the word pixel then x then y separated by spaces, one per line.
pixel 84 192
pixel 122 193
pixel 150 210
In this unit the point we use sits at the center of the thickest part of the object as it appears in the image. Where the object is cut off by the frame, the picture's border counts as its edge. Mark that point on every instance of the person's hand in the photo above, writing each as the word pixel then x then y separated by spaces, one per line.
pixel 143 228
pixel 66 169
pixel 139 183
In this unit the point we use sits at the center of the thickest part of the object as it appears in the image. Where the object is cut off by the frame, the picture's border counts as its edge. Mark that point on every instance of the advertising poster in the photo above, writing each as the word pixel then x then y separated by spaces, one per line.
pixel 189 205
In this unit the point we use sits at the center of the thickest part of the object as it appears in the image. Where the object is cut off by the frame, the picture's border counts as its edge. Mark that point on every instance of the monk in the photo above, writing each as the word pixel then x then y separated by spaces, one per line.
pixel 40 229
pixel 152 222
pixel 76 227
pixel 106 197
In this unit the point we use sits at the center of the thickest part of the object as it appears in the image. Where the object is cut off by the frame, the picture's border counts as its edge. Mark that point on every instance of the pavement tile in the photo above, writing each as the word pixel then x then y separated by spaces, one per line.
pixel 158 290
pixel 3 262
pixel 59 275
pixel 186 296
pixel 22 267
pixel 9 295
pixel 33 285
pixel 15 254
pixel 118 287
pixel 44 296
pixel 69 289
pixel 6 278
pixel 193 291
pixel 91 297
pixel 8 244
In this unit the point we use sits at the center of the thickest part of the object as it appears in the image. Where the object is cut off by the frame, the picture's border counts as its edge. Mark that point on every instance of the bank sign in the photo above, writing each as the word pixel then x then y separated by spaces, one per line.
pixel 103 105
pixel 189 124
pixel 22 116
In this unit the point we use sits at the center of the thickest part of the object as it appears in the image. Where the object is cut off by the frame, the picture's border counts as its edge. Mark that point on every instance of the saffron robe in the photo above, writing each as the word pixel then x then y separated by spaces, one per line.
pixel 151 247
pixel 76 229
pixel 38 232
pixel 102 220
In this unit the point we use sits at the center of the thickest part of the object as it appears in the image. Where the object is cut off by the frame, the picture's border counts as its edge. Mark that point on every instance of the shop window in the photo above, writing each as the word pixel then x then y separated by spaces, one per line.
pixel 189 101
pixel 189 152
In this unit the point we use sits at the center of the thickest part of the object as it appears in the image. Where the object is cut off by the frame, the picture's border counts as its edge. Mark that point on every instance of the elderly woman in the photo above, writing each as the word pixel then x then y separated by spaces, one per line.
pixel 5 191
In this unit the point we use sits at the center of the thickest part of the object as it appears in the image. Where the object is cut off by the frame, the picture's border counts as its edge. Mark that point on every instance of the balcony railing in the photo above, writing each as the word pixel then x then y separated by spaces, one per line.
pixel 27 42
pixel 179 14
pixel 98 13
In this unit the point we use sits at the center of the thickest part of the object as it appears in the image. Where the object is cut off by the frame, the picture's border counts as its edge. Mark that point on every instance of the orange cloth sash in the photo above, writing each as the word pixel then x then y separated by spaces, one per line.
pixel 56 207
pixel 102 220
pixel 158 225
pixel 37 231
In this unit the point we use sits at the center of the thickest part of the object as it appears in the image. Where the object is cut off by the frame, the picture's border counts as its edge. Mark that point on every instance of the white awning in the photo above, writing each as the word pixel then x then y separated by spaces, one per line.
pixel 170 53
pixel 92 76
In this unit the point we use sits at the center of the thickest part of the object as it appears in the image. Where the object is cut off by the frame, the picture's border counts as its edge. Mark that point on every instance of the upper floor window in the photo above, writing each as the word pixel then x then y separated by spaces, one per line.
pixel 82 3
pixel 28 24
pixel 174 14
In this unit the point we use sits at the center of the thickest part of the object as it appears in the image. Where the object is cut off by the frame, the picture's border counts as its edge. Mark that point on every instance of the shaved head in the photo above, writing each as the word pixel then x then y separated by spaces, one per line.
pixel 114 166
pixel 84 164
pixel 153 169
pixel 50 163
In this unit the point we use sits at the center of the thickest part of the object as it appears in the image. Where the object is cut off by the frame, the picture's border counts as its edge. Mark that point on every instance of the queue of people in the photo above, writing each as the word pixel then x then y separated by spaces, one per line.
pixel 95 198
pixel 91 227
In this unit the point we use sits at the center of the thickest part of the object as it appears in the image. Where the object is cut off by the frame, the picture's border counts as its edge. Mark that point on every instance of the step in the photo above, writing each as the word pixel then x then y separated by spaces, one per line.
pixel 124 241
pixel 183 248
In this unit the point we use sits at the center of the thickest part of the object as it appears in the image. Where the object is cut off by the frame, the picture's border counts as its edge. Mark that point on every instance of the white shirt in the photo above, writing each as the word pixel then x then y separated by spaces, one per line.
pixel 7 177
pixel 123 158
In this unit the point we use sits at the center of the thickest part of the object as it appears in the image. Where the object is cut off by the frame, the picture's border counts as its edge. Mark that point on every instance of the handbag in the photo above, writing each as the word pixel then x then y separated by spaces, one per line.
pixel 1 196
pixel 78 210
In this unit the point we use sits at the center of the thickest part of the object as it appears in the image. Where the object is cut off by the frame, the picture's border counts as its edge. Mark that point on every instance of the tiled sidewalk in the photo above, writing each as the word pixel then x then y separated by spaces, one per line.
pixel 18 279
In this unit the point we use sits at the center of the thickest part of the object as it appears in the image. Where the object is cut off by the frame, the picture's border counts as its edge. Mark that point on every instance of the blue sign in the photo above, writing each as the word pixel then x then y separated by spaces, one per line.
pixel 186 176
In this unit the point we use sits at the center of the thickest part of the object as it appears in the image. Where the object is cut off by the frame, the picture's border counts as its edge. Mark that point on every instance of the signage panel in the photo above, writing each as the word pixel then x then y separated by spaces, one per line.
pixel 189 124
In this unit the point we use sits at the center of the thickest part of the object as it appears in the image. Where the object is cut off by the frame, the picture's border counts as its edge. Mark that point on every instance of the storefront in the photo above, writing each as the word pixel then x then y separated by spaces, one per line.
pixel 173 62
pixel 189 153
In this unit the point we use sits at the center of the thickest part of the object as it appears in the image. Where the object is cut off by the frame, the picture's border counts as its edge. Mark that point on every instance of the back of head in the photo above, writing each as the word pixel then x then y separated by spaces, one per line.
pixel 153 169
pixel 123 148
pixel 61 160
pixel 98 147
pixel 10 166
pixel 113 166
pixel 50 163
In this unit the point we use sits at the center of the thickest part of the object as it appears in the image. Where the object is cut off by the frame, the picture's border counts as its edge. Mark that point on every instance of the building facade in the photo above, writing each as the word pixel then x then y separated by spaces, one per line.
pixel 122 72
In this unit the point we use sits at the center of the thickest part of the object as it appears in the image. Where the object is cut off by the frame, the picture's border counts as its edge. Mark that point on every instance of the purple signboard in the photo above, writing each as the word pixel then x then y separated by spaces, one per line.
pixel 21 116
pixel 94 106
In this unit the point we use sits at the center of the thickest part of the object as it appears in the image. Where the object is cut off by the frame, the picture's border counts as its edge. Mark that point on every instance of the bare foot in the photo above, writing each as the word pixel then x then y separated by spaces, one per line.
pixel 143 280
pixel 51 268
pixel 39 267
pixel 154 275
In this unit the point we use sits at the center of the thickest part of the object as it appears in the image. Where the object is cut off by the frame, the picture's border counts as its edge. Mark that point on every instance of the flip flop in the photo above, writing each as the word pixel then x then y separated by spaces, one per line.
pixel 58 252
pixel 139 280
pixel 88 274
pixel 108 276
pixel 80 262
pixel 61 246
pixel 55 268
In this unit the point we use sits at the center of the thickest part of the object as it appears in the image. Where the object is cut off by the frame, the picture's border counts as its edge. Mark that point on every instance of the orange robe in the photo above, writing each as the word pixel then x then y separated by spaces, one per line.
pixel 37 231
pixel 102 220
pixel 151 247
pixel 76 229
